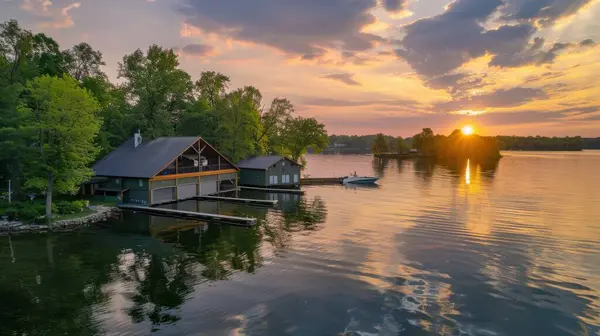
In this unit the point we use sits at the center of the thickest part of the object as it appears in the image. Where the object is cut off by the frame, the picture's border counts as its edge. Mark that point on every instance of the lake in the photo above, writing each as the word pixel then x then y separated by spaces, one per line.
pixel 507 249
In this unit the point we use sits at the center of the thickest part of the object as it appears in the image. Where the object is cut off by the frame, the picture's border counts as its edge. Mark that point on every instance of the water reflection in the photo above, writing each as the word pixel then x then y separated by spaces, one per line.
pixel 49 288
pixel 53 286
pixel 514 252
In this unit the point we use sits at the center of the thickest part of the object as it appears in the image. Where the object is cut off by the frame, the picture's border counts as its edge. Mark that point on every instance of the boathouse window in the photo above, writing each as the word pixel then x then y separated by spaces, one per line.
pixel 141 183
pixel 295 178
pixel 273 179
pixel 285 178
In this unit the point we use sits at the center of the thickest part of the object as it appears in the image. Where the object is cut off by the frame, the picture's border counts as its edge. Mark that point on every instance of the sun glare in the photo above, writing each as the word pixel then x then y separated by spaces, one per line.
pixel 468 130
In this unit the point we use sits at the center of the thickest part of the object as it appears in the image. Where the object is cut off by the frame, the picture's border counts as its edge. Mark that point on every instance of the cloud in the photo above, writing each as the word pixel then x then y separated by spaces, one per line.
pixel 437 45
pixel 298 28
pixel 197 49
pixel 395 6
pixel 544 76
pixel 345 78
pixel 37 7
pixel 51 18
pixel 587 43
pixel 328 102
pixel 534 55
pixel 456 84
pixel 542 12
pixel 497 99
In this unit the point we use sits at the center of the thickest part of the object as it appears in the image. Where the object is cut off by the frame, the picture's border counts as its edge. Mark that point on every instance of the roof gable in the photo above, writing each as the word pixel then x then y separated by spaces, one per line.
pixel 262 162
pixel 145 160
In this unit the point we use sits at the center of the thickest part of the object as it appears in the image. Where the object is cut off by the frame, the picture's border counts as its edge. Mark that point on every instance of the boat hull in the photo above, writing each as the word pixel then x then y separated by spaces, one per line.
pixel 369 180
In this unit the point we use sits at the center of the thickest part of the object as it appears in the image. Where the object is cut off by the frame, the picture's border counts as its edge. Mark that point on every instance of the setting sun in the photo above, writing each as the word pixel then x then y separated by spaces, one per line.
pixel 468 130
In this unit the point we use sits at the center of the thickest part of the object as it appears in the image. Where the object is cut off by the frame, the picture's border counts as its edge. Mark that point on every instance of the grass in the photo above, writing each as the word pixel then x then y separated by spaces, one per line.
pixel 85 212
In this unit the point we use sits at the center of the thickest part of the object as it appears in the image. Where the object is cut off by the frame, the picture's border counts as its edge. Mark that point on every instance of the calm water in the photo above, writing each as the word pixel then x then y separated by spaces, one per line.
pixel 468 250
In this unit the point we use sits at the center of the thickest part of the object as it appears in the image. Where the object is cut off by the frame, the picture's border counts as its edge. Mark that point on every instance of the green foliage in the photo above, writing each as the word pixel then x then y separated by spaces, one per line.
pixel 59 112
pixel 541 143
pixel 401 146
pixel 47 57
pixel 457 146
pixel 299 134
pixel 212 87
pixel 380 144
pixel 26 211
pixel 84 62
pixel 274 121
pixel 158 87
pixel 114 110
pixel 16 46
pixel 59 124
pixel 360 144
pixel 70 207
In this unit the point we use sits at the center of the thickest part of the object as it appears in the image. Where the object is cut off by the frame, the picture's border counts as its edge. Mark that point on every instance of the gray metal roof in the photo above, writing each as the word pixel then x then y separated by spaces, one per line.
pixel 261 162
pixel 146 160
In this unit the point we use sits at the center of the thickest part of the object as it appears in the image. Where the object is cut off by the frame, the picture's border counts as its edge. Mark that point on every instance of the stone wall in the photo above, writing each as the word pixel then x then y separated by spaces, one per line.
pixel 101 214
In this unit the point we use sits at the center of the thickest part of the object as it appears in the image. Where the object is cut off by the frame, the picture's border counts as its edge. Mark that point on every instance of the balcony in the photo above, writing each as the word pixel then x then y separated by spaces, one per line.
pixel 189 170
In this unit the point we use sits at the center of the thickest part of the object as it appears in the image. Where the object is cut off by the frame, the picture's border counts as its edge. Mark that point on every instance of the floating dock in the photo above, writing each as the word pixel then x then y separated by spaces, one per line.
pixel 321 180
pixel 273 190
pixel 238 200
pixel 246 221
pixel 400 156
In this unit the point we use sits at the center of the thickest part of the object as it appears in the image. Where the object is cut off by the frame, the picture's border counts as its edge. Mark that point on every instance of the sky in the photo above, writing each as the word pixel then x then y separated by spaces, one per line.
pixel 508 67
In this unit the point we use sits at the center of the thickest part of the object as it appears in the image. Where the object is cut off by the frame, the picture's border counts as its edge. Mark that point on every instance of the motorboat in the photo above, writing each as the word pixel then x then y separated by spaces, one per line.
pixel 355 179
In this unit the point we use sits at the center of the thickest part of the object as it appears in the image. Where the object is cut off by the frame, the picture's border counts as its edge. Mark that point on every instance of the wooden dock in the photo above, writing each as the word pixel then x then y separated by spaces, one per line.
pixel 238 200
pixel 274 190
pixel 321 180
pixel 400 156
pixel 246 221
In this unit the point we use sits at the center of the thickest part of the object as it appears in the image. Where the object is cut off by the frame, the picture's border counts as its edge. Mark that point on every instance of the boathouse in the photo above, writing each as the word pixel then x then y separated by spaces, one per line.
pixel 269 171
pixel 163 170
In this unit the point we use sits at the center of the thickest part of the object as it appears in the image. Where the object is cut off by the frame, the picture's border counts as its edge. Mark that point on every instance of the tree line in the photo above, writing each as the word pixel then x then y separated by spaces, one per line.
pixel 59 113
pixel 364 144
pixel 381 143
pixel 457 146
pixel 539 143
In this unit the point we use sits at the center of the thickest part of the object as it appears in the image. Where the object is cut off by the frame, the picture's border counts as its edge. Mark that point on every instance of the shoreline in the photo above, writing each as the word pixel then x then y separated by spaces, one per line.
pixel 101 214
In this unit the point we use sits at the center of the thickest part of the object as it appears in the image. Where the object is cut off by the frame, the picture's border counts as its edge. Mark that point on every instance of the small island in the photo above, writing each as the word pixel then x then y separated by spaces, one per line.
pixel 459 145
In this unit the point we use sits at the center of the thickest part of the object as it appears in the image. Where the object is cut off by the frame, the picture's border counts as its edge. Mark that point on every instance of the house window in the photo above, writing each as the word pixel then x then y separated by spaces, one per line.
pixel 141 183
pixel 296 177
pixel 285 178
pixel 283 164
pixel 118 181
pixel 273 179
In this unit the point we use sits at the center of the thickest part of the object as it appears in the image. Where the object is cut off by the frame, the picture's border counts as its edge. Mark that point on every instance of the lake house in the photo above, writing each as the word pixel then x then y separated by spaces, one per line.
pixel 163 170
pixel 269 171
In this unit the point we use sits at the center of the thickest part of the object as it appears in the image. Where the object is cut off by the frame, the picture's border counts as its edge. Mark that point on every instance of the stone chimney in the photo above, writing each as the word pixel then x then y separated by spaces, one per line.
pixel 137 139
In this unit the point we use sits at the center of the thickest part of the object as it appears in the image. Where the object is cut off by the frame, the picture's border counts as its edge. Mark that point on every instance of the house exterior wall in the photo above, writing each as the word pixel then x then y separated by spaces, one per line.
pixel 138 190
pixel 261 178
pixel 253 177
pixel 113 183
pixel 283 167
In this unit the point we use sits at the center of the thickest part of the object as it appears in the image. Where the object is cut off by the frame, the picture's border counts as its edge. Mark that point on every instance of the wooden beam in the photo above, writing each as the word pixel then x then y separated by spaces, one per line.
pixel 204 173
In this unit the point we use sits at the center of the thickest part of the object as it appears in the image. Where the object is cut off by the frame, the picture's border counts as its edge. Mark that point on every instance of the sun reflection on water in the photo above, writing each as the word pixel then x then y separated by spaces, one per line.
pixel 468 173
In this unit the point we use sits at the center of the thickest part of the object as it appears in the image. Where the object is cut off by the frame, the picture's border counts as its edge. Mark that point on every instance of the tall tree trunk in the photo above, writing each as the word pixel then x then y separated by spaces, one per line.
pixel 49 196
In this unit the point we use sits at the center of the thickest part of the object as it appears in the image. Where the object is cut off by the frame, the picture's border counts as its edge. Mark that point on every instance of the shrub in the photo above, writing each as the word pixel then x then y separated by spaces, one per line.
pixel 31 212
pixel 66 207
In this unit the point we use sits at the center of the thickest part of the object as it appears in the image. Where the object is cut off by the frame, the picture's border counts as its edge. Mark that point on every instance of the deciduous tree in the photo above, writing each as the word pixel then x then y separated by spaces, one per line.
pixel 301 134
pixel 159 89
pixel 60 124
pixel 83 61
pixel 380 145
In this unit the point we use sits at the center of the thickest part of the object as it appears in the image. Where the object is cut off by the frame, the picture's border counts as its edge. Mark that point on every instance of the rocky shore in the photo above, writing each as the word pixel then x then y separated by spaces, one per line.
pixel 102 213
